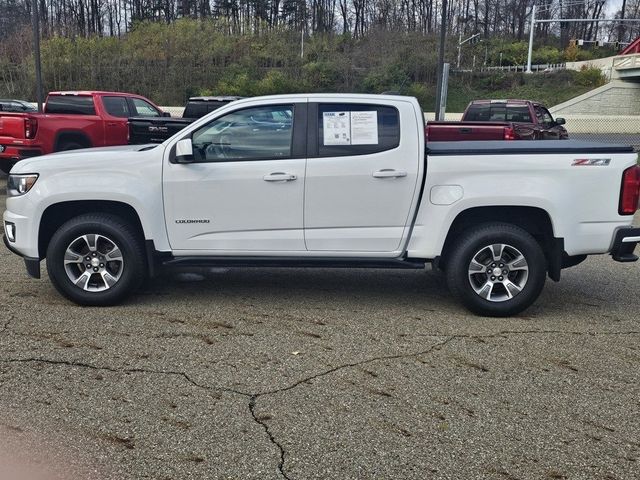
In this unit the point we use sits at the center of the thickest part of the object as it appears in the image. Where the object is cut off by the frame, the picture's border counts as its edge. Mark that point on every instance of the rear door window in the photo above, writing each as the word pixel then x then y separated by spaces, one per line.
pixel 116 106
pixel 356 129
pixel 70 105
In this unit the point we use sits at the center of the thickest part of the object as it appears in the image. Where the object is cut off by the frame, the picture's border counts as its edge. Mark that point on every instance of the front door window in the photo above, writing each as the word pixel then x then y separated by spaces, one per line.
pixel 259 133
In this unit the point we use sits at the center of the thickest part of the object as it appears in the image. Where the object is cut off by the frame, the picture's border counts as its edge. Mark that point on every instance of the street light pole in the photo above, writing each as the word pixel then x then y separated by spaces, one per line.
pixel 533 26
pixel 35 26
pixel 440 71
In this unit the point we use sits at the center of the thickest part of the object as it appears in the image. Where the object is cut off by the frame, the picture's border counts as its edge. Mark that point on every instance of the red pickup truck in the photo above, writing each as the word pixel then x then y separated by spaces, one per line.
pixel 71 120
pixel 500 120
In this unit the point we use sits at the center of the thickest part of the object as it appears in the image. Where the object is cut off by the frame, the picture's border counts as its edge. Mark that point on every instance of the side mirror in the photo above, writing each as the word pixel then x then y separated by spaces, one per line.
pixel 166 114
pixel 184 151
pixel 560 121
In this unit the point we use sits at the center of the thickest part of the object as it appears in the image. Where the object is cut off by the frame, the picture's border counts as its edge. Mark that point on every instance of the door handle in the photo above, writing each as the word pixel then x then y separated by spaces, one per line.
pixel 112 124
pixel 279 177
pixel 389 173
pixel 465 130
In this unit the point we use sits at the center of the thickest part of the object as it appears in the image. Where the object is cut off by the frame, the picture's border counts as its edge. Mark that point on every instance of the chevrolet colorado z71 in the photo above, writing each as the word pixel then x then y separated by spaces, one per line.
pixel 324 180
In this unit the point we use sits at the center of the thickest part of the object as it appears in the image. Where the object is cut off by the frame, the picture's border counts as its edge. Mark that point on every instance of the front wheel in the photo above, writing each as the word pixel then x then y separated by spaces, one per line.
pixel 496 269
pixel 96 259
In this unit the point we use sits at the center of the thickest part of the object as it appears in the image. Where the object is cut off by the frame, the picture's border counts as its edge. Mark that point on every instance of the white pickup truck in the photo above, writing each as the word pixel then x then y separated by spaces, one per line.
pixel 324 181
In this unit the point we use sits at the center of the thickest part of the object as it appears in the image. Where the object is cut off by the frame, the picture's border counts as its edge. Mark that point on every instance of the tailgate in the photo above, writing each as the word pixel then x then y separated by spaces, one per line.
pixel 12 125
pixel 457 131
pixel 154 130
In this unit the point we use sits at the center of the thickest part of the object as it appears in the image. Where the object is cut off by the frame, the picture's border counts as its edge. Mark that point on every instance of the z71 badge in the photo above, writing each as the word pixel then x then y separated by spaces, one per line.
pixel 591 162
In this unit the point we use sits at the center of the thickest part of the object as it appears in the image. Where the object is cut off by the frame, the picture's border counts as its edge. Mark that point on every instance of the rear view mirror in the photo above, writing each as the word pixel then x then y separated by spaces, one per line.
pixel 560 121
pixel 184 151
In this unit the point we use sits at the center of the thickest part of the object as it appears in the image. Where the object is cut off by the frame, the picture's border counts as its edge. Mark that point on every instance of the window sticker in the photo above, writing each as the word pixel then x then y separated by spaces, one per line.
pixel 337 128
pixel 364 128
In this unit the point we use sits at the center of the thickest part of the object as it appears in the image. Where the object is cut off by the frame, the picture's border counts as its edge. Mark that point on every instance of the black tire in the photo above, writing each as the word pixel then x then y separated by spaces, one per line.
pixel 5 166
pixel 69 145
pixel 108 231
pixel 504 297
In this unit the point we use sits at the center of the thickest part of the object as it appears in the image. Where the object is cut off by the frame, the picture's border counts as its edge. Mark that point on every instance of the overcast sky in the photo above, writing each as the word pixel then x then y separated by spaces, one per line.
pixel 612 7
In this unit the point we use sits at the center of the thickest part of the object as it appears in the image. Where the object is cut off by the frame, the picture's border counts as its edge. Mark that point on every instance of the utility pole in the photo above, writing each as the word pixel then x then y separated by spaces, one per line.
pixel 459 48
pixel 533 26
pixel 35 26
pixel 440 71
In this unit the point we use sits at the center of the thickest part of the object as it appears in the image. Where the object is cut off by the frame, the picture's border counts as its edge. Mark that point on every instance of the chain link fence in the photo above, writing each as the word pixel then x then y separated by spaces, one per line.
pixel 624 129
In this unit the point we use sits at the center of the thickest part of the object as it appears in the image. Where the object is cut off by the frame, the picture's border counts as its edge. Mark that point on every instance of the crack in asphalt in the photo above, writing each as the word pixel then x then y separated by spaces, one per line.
pixel 253 397
pixel 272 439
pixel 563 332
pixel 122 370
pixel 362 362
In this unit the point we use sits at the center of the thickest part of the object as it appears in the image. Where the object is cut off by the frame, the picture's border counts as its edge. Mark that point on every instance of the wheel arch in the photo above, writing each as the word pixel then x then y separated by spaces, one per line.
pixel 536 221
pixel 71 135
pixel 55 215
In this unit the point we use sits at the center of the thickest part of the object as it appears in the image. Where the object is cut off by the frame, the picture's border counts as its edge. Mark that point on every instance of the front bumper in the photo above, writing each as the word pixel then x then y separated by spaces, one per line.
pixel 32 264
pixel 624 243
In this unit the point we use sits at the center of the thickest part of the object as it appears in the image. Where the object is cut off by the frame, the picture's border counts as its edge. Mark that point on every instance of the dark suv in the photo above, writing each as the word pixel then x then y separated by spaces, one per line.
pixel 9 105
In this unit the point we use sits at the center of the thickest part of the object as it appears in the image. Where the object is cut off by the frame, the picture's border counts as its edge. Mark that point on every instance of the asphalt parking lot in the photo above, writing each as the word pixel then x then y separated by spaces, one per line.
pixel 305 374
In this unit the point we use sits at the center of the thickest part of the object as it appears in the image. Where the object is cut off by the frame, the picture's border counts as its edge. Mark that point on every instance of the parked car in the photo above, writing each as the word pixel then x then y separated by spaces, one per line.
pixel 71 120
pixel 10 105
pixel 500 120
pixel 324 180
pixel 156 130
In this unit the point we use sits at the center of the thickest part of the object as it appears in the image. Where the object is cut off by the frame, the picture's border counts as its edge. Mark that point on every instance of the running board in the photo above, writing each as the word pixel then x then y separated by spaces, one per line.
pixel 296 262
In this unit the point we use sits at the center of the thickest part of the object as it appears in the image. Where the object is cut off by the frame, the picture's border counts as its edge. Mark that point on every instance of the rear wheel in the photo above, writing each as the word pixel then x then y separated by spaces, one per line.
pixel 96 259
pixel 496 269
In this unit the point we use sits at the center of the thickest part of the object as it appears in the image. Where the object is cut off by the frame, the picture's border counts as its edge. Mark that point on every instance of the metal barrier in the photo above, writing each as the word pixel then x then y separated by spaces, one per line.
pixel 523 68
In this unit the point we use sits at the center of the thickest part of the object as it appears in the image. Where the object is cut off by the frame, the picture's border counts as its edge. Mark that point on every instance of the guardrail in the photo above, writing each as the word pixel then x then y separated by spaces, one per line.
pixel 624 62
pixel 523 68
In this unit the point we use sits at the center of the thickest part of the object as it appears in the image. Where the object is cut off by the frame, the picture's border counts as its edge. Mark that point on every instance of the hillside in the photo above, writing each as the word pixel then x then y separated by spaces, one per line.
pixel 170 62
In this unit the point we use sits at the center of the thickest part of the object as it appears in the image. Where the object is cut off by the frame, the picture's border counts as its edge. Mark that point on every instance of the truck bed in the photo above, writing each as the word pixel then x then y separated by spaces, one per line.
pixel 523 147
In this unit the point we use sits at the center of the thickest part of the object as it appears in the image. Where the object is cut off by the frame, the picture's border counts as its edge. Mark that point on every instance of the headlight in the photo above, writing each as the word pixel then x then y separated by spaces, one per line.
pixel 20 184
